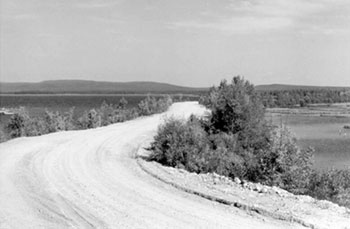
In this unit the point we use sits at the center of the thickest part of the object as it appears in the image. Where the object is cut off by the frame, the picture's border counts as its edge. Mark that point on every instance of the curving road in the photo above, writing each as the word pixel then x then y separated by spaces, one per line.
pixel 90 179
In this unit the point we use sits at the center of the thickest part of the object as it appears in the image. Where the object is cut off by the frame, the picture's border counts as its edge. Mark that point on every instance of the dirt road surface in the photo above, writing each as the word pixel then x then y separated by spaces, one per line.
pixel 90 179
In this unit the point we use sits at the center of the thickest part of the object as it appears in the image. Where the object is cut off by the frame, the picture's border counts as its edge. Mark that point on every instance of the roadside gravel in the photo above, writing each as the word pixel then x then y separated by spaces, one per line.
pixel 252 197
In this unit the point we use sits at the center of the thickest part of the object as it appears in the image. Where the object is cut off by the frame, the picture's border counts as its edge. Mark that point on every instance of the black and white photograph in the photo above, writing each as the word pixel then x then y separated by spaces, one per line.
pixel 175 114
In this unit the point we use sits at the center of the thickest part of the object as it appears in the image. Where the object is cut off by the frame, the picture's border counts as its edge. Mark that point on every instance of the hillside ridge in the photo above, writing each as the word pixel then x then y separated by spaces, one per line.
pixel 99 87
pixel 90 86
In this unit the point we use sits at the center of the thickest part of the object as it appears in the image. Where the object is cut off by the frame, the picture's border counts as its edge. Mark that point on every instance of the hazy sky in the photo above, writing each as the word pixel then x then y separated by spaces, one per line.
pixel 185 42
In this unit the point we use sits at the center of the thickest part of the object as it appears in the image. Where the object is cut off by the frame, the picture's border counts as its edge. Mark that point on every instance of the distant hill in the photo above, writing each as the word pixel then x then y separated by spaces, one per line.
pixel 137 87
pixel 283 87
pixel 99 87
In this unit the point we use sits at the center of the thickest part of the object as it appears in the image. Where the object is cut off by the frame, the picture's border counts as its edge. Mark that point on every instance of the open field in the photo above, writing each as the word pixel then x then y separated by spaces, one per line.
pixel 321 127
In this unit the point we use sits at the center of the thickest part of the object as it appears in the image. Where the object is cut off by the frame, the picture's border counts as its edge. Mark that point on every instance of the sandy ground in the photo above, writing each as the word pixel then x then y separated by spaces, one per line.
pixel 90 179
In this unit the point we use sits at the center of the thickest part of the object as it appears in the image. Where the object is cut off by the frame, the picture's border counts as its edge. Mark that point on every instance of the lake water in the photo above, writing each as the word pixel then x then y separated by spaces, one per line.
pixel 326 134
pixel 36 104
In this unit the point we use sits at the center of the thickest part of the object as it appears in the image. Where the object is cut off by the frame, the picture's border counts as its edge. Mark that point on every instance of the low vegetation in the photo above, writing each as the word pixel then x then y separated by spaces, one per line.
pixel 333 185
pixel 21 124
pixel 304 97
pixel 235 140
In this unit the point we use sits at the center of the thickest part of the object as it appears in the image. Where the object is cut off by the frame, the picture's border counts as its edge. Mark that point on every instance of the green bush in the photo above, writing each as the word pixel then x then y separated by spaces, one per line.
pixel 285 164
pixel 235 107
pixel 16 125
pixel 107 113
pixel 70 119
pixel 54 121
pixel 150 105
pixel 236 141
pixel 331 185
pixel 122 103
pixel 186 144
pixel 147 105
pixel 90 119
pixel 224 157
pixel 35 127
pixel 21 124
pixel 180 144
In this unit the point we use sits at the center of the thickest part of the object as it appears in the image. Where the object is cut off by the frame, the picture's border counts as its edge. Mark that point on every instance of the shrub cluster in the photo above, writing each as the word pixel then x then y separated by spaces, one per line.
pixel 21 124
pixel 304 97
pixel 187 144
pixel 333 185
pixel 237 141
pixel 150 105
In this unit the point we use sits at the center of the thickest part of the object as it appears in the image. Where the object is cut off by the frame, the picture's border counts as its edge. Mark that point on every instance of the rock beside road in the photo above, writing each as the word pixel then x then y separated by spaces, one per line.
pixel 253 197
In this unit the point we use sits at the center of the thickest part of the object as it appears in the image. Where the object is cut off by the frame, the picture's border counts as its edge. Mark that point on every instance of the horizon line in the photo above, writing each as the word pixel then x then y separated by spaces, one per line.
pixel 145 81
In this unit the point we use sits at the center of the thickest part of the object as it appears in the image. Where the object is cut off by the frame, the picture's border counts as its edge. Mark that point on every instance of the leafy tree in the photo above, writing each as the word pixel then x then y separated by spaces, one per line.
pixel 147 105
pixel 237 109
pixel 69 119
pixel 90 119
pixel 150 105
pixel 285 164
pixel 107 114
pixel 122 103
pixel 234 105
pixel 16 124
pixel 35 127
pixel 54 121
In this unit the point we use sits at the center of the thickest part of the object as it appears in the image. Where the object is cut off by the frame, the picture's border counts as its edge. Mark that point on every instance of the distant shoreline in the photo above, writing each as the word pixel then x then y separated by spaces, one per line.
pixel 96 94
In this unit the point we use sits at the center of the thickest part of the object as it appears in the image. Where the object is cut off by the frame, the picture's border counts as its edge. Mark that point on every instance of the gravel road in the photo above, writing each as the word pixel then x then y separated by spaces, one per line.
pixel 90 179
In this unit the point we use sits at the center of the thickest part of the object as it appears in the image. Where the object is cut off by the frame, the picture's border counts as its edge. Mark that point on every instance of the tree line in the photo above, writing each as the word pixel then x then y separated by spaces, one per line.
pixel 303 97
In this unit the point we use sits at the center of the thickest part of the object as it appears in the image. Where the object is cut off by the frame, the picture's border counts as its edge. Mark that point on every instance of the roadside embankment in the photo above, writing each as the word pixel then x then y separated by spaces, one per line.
pixel 253 197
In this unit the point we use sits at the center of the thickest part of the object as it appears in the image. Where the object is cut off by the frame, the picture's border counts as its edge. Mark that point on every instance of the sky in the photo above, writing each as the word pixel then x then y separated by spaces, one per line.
pixel 183 42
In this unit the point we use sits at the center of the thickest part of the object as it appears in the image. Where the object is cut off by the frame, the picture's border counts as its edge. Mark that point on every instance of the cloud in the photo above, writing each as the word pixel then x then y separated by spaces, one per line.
pixel 108 20
pixel 250 16
pixel 20 17
pixel 244 24
pixel 97 4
